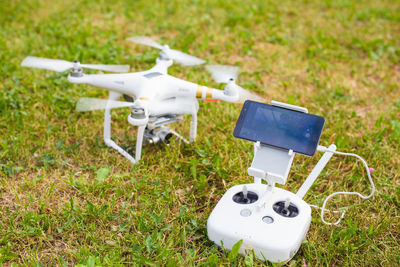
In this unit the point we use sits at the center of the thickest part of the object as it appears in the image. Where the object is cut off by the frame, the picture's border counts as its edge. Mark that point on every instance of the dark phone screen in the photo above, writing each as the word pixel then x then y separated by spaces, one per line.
pixel 279 127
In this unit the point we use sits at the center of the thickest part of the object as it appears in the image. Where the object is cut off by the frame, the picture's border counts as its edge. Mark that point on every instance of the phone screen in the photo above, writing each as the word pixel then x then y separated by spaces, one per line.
pixel 279 127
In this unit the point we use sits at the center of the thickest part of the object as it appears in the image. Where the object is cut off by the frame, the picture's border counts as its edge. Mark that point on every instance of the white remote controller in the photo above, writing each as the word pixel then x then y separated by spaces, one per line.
pixel 271 221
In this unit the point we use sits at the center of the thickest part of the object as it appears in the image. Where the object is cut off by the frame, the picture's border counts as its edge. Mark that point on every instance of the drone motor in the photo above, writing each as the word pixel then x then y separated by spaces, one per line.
pixel 76 70
pixel 138 116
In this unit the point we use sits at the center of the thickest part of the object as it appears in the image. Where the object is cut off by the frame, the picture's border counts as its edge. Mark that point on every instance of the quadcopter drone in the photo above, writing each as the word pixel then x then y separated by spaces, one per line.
pixel 155 98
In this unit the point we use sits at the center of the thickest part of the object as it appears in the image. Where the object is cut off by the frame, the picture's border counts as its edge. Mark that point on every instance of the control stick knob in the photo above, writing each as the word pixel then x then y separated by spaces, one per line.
pixel 286 208
pixel 245 196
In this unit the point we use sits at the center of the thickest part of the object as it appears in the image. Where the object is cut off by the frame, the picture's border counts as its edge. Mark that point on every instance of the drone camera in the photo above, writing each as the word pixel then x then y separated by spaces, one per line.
pixel 155 136
pixel 164 136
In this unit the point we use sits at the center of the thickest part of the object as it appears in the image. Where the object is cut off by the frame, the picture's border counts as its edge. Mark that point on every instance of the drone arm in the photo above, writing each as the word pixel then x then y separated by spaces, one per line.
pixel 207 93
pixel 221 95
pixel 112 82
pixel 182 88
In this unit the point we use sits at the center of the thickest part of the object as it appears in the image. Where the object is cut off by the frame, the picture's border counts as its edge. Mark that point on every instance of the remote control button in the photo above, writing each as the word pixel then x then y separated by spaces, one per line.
pixel 268 219
pixel 245 212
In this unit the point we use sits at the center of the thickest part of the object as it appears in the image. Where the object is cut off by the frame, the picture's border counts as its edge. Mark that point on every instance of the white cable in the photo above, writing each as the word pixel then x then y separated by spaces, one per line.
pixel 343 212
pixel 324 149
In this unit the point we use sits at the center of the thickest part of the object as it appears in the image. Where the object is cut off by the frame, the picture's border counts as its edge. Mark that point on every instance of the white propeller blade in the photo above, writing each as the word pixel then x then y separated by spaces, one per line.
pixel 89 104
pixel 222 73
pixel 45 63
pixel 178 56
pixel 247 95
pixel 184 59
pixel 63 65
pixel 145 41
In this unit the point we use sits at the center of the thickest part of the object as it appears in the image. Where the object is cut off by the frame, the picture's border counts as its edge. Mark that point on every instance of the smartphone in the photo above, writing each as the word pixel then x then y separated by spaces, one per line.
pixel 279 127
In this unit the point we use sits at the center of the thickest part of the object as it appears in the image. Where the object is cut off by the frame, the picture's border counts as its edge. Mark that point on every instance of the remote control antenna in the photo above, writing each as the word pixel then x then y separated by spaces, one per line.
pixel 245 193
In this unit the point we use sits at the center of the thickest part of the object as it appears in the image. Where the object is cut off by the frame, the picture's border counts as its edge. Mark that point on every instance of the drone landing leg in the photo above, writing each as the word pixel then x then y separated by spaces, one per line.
pixel 193 127
pixel 139 142
pixel 107 130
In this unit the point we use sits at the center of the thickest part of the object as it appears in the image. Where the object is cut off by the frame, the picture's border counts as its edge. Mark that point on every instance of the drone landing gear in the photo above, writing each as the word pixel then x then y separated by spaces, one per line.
pixel 111 143
pixel 193 126
pixel 152 132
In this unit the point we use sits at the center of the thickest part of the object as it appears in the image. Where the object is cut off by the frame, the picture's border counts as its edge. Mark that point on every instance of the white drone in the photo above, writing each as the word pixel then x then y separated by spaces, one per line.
pixel 155 98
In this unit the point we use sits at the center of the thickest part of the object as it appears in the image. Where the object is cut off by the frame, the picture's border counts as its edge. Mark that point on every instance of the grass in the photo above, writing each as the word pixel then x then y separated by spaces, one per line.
pixel 67 199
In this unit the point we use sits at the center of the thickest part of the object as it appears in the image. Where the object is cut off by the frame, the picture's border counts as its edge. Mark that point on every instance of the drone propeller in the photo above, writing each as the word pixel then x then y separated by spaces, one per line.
pixel 168 53
pixel 223 73
pixel 89 104
pixel 228 75
pixel 63 65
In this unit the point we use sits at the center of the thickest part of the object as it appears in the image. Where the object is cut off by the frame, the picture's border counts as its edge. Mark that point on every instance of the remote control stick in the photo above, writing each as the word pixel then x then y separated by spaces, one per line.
pixel 245 193
pixel 286 208
pixel 245 196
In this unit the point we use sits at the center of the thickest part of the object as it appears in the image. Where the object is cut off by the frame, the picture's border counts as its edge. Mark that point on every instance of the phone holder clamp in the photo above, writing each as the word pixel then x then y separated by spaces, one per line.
pixel 270 163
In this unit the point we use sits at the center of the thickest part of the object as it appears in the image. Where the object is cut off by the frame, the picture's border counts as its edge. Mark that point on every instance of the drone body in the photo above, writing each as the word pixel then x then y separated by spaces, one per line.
pixel 155 98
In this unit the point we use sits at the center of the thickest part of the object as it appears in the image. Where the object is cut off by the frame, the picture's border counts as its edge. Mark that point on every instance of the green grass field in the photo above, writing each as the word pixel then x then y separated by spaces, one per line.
pixel 66 198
